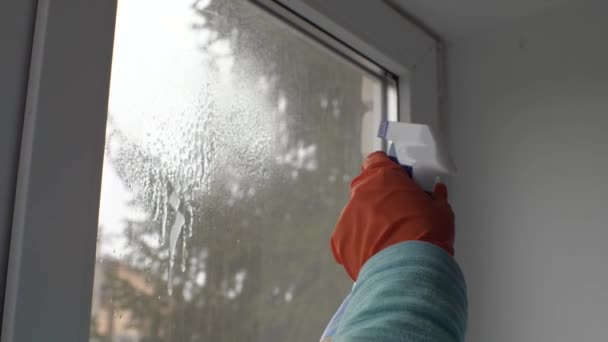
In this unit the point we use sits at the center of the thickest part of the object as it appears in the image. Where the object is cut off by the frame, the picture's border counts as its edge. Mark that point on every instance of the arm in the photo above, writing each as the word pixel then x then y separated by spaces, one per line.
pixel 412 291
pixel 396 242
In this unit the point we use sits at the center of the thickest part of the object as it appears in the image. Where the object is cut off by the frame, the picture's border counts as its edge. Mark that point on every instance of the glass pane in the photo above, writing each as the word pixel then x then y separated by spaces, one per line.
pixel 231 141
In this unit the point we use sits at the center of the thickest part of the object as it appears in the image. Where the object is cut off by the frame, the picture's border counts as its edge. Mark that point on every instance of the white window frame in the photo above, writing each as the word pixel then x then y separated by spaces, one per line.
pixel 16 31
pixel 54 230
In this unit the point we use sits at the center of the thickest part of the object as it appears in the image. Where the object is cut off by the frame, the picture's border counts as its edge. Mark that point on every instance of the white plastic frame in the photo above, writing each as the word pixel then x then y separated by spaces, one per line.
pixel 16 32
pixel 383 35
pixel 52 253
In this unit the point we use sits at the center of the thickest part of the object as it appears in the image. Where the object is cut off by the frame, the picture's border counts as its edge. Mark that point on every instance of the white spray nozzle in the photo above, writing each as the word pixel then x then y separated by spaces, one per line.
pixel 418 147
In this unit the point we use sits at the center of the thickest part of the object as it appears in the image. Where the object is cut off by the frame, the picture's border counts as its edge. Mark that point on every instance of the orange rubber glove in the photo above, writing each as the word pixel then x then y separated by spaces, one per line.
pixel 385 208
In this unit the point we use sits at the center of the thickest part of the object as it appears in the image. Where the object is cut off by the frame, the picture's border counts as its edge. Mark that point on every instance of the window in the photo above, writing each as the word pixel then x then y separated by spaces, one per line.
pixel 231 141
pixel 231 133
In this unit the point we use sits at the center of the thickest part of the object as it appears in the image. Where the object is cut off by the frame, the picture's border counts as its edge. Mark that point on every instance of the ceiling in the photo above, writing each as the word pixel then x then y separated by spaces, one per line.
pixel 454 19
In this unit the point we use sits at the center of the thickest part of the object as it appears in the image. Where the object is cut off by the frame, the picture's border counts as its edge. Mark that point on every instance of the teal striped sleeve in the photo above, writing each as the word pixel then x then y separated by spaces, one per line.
pixel 412 291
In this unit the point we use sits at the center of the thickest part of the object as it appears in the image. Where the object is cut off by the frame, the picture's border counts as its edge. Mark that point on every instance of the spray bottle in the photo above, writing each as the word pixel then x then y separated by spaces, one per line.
pixel 419 150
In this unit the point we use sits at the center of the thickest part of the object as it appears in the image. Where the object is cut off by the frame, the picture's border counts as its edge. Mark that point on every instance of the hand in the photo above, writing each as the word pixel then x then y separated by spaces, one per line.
pixel 385 208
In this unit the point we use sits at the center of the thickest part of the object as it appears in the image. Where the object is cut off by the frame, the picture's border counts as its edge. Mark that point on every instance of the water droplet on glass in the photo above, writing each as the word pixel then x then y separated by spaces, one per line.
pixel 282 105
pixel 163 235
pixel 190 219
pixel 324 102
pixel 174 233
pixel 170 278
pixel 184 254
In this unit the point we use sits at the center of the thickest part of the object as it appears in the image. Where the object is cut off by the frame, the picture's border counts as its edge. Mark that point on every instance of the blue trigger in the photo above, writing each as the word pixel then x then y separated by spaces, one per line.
pixel 382 129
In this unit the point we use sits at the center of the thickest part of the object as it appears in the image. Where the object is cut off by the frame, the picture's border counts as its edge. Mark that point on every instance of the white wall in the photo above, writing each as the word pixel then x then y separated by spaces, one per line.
pixel 528 125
